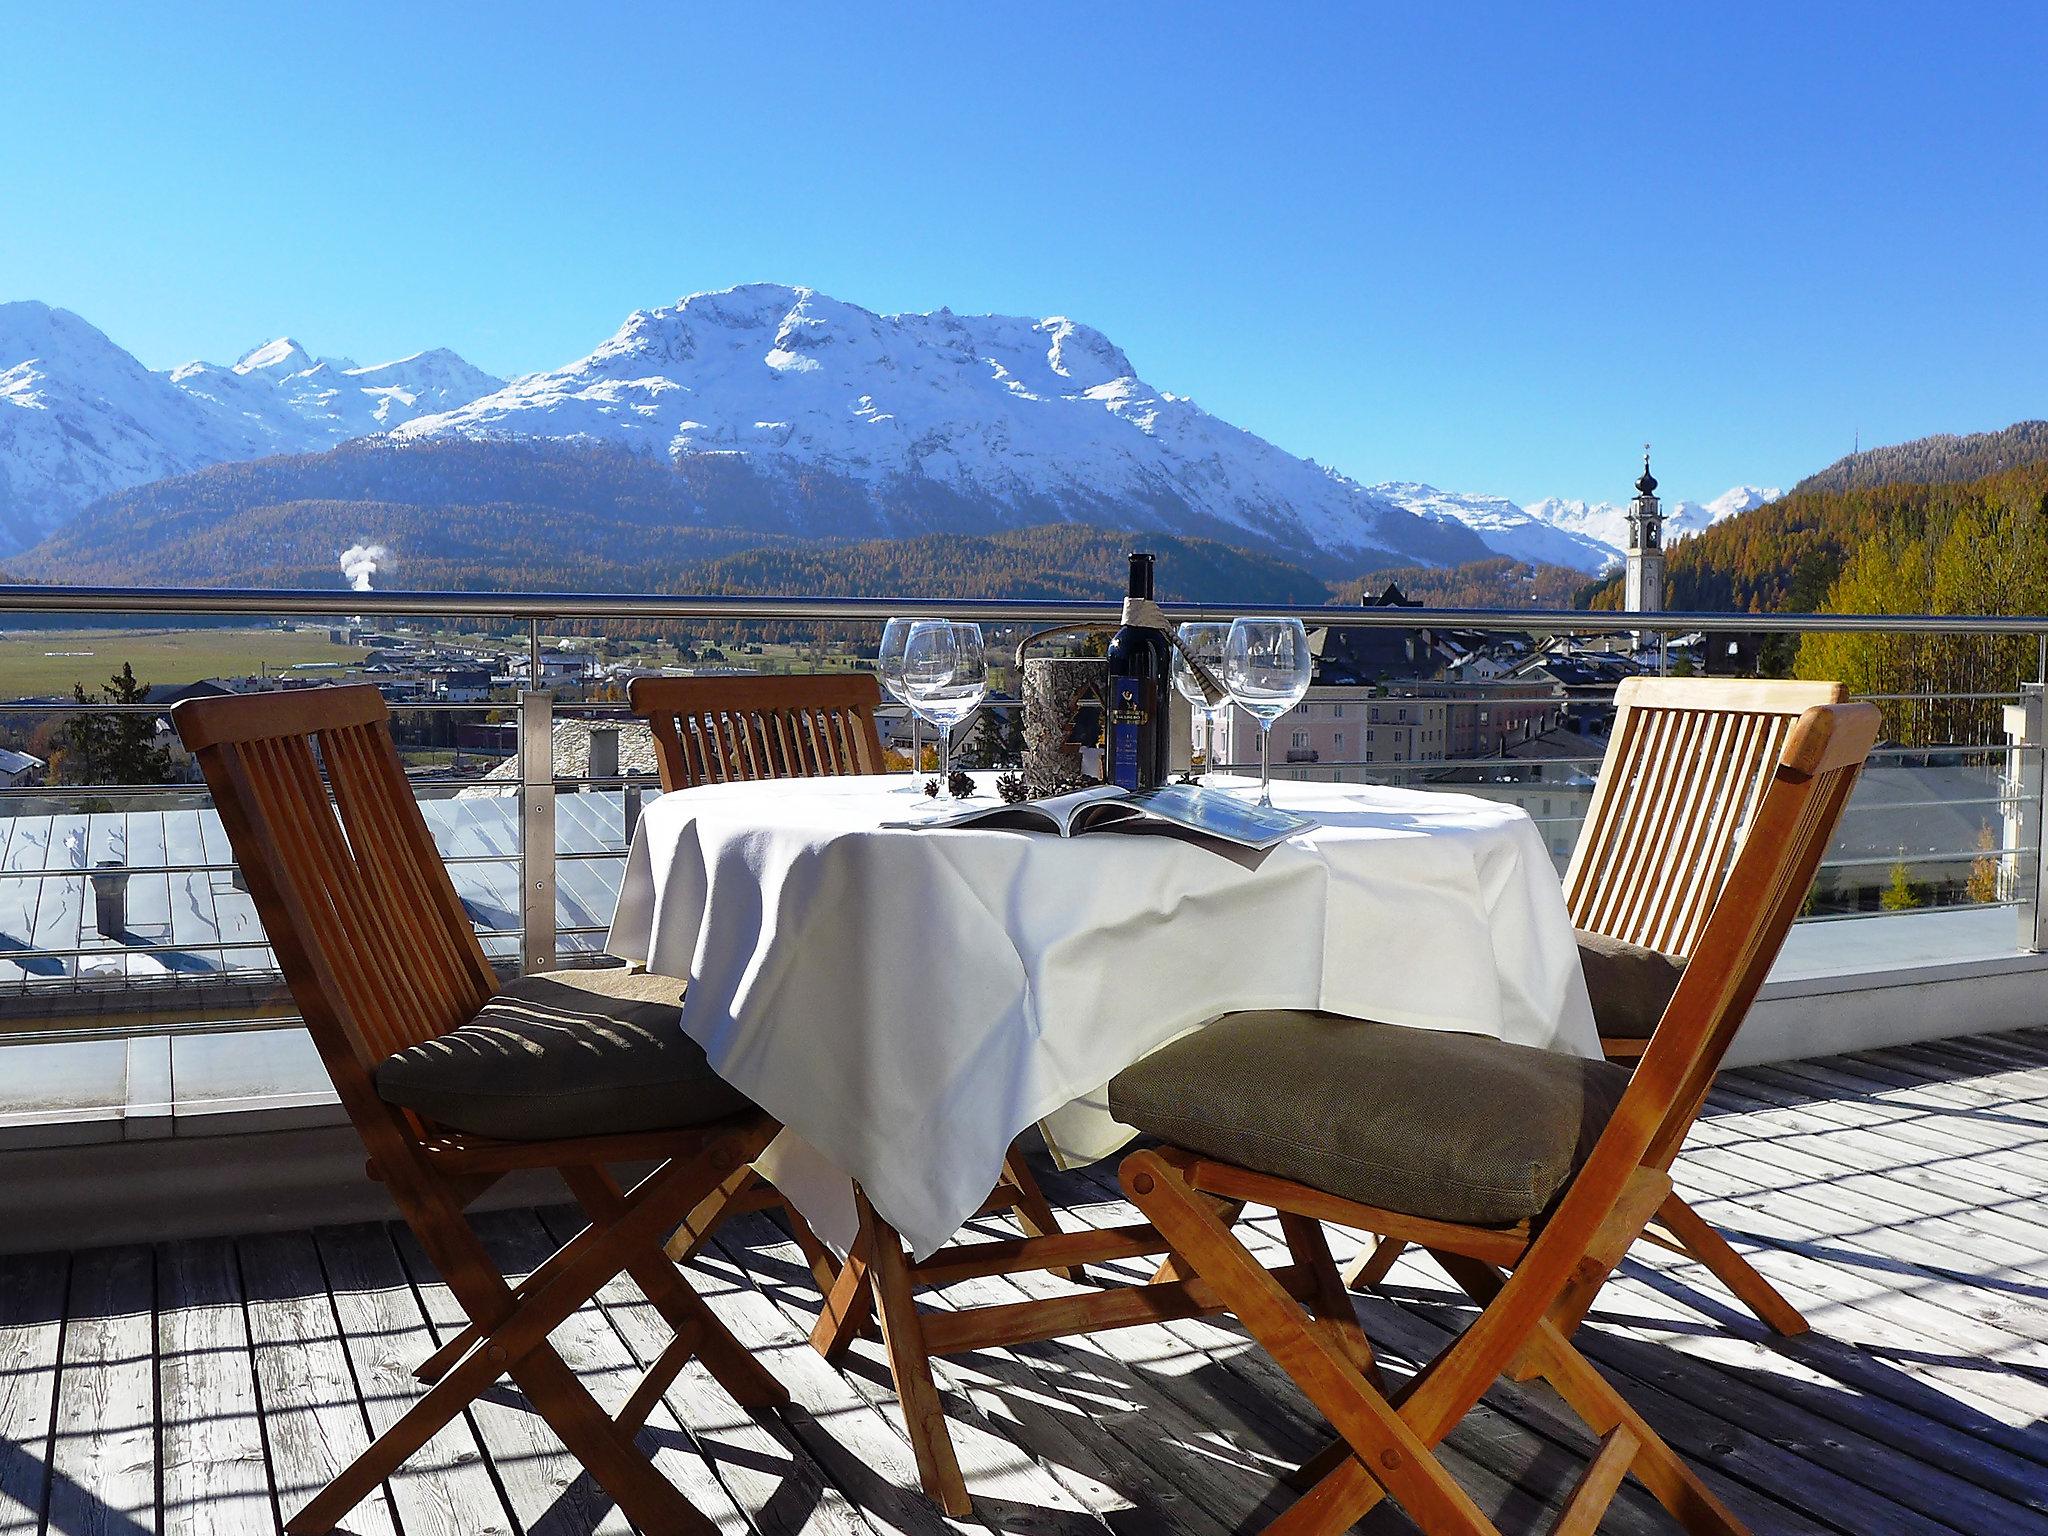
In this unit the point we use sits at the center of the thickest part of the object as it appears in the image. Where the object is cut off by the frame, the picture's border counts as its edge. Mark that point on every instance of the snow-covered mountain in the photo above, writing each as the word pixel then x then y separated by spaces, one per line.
pixel 1505 528
pixel 80 417
pixel 310 402
pixel 1605 523
pixel 823 418
pixel 1026 421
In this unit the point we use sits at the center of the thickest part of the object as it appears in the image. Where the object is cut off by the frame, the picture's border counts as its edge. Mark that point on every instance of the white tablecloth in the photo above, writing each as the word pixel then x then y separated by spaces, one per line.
pixel 907 1002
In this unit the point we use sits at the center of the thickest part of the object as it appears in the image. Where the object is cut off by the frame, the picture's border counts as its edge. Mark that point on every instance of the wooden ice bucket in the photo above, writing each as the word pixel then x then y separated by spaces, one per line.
pixel 1062 715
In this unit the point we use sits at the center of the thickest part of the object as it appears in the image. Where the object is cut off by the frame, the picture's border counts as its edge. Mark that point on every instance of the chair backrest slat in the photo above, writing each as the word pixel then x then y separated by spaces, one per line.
pixel 353 895
pixel 717 730
pixel 1685 771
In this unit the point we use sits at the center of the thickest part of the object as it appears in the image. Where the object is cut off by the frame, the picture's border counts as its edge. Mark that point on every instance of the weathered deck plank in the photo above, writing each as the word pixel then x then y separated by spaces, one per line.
pixel 103 1456
pixel 216 1481
pixel 31 1332
pixel 313 1416
pixel 1899 1197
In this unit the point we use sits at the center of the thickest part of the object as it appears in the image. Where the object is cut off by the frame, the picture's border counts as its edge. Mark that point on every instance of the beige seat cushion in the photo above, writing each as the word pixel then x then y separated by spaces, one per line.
pixel 562 1054
pixel 1630 985
pixel 1454 1127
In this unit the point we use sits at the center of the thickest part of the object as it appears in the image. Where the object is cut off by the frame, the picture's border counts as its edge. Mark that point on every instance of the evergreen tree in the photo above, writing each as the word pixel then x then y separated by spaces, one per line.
pixel 987 746
pixel 108 747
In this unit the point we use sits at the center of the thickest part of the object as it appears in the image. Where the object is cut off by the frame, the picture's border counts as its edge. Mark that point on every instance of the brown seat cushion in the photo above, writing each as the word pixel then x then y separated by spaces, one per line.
pixel 1630 985
pixel 561 1054
pixel 1454 1127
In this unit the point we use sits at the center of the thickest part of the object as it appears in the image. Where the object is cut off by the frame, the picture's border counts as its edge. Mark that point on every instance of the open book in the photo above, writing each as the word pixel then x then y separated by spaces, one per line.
pixel 1205 812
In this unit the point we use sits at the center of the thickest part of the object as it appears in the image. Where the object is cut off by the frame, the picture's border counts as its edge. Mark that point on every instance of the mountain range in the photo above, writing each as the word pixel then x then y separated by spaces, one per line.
pixel 819 418
pixel 81 418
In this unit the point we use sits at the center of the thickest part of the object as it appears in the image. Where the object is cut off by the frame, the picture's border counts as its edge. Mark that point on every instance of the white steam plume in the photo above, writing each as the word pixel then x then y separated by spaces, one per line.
pixel 359 563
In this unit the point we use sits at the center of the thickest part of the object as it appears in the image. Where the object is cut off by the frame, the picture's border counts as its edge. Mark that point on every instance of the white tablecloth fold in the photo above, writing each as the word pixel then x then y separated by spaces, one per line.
pixel 907 1002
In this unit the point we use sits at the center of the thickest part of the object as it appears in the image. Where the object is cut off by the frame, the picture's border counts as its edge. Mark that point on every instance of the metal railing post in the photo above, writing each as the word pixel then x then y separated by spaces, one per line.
pixel 536 830
pixel 2026 812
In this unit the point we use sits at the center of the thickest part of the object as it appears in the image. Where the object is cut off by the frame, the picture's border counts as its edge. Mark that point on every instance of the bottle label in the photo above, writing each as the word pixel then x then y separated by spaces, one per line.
pixel 1127 719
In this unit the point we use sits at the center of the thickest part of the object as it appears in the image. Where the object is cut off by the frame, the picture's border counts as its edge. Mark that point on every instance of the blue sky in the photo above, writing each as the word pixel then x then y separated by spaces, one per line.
pixel 1491 247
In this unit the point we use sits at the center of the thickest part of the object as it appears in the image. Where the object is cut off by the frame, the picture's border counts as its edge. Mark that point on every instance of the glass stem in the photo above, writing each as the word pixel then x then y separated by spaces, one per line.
pixel 945 761
pixel 1265 762
pixel 916 751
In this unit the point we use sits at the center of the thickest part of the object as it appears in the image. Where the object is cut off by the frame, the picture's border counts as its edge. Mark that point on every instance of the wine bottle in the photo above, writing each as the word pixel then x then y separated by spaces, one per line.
pixel 1140 673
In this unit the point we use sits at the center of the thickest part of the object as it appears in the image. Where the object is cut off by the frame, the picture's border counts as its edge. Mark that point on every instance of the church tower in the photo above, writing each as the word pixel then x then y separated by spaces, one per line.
pixel 1645 586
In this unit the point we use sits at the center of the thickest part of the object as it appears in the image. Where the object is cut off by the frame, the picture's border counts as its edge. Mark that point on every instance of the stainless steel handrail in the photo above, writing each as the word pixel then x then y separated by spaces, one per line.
pixel 528 607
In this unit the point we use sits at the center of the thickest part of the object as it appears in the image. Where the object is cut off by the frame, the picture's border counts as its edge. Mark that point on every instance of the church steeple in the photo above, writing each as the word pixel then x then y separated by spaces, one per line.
pixel 1644 588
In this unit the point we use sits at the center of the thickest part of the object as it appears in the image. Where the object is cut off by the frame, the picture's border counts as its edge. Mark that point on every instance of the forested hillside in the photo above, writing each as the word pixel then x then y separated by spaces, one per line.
pixel 1062 561
pixel 517 548
pixel 1943 457
pixel 1496 583
pixel 1977 546
pixel 1787 557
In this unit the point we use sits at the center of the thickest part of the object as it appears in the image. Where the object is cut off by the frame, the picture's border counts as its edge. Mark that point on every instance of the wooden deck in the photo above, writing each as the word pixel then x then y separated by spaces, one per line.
pixel 1900 1197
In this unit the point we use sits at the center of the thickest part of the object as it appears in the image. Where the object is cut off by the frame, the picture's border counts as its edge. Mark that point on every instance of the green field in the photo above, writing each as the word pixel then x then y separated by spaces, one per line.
pixel 38 662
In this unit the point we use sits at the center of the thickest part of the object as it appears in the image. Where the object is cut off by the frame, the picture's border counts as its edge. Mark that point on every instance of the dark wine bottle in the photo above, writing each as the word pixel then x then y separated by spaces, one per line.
pixel 1140 675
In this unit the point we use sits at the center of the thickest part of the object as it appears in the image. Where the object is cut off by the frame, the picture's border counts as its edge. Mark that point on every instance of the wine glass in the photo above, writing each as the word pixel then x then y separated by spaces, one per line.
pixel 945 674
pixel 895 635
pixel 1266 666
pixel 1207 642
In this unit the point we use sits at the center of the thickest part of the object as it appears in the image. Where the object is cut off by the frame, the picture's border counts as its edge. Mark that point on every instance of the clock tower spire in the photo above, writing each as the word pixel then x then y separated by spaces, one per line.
pixel 1644 591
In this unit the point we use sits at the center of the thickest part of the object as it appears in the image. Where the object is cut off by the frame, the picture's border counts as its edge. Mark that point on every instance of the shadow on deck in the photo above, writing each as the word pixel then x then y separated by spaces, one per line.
pixel 1895 1196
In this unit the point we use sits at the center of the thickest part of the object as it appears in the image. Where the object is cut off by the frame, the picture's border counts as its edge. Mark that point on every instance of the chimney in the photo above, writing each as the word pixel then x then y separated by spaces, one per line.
pixel 604 752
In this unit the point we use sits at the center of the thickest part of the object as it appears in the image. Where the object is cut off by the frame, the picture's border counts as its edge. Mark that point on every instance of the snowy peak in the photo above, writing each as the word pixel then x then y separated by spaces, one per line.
pixel 1504 527
pixel 81 417
pixel 278 358
pixel 1031 419
pixel 1606 522
pixel 1743 498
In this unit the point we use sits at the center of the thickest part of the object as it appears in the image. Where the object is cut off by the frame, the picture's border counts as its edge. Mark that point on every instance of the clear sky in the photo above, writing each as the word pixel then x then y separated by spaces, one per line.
pixel 1491 247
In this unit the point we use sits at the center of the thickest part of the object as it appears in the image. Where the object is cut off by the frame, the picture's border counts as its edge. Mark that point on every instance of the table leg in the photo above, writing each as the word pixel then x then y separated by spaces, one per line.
pixel 910 1363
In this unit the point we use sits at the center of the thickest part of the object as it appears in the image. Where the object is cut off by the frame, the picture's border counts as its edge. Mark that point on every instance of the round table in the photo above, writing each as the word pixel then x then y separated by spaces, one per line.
pixel 907 1001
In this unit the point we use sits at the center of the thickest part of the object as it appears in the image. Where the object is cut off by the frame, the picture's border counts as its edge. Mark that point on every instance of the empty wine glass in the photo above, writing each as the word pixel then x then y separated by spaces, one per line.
pixel 1266 667
pixel 895 634
pixel 1207 642
pixel 945 674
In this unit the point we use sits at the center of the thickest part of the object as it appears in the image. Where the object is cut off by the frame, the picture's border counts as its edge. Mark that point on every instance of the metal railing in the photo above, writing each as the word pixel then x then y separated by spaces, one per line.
pixel 2013 775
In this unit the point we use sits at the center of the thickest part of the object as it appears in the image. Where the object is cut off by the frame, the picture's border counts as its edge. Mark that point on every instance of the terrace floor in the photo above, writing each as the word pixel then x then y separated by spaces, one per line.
pixel 1899 1197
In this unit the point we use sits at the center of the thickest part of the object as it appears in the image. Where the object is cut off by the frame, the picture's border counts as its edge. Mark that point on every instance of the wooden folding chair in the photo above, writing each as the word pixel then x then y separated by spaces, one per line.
pixel 1683 776
pixel 1440 1154
pixel 718 730
pixel 445 1074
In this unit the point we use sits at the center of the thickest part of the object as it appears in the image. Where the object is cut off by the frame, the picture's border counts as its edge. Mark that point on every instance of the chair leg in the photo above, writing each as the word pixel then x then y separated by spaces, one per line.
pixel 605 1448
pixel 1729 1267
pixel 512 1339
pixel 1659 1468
pixel 1034 1211
pixel 1331 1301
pixel 697 1227
pixel 910 1363
pixel 1170 1268
pixel 1401 1463
pixel 1373 1264
pixel 750 1383
pixel 824 1268
pixel 849 1305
